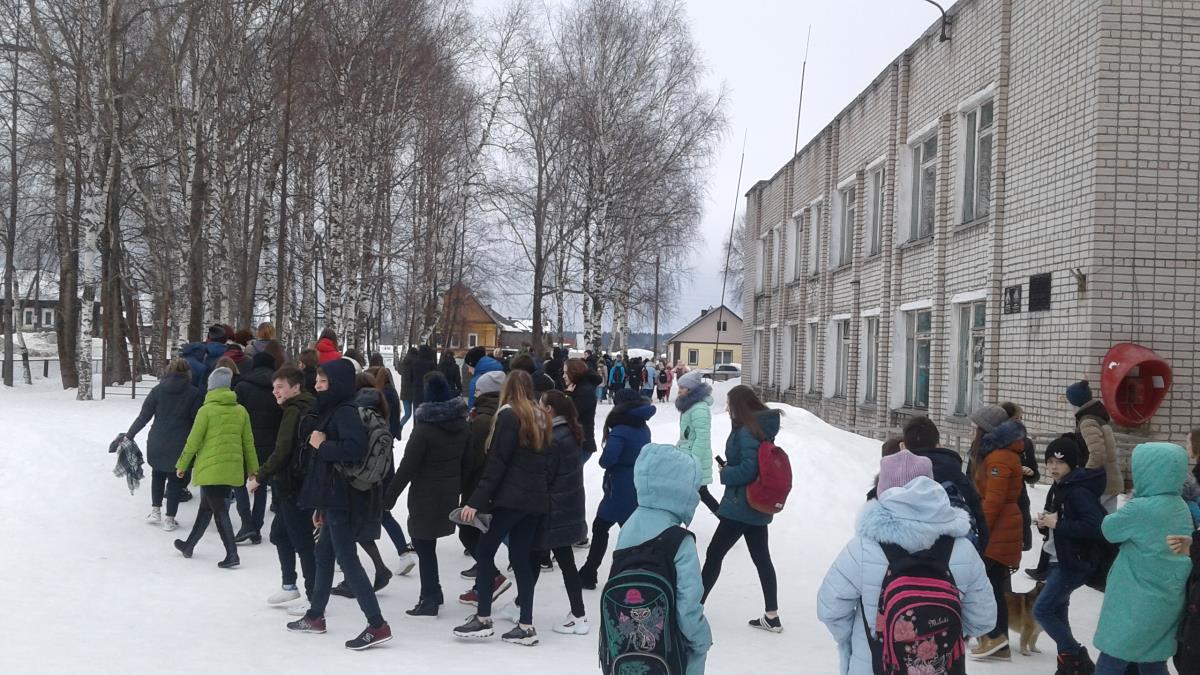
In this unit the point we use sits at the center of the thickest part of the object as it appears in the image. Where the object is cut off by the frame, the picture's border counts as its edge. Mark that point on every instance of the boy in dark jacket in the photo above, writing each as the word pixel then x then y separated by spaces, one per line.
pixel 255 394
pixel 922 438
pixel 291 530
pixel 1071 525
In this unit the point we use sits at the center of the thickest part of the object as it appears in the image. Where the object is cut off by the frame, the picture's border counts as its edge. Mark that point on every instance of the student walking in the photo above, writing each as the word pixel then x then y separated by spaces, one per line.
pixel 514 491
pixel 694 404
pixel 666 377
pixel 582 385
pixel 753 422
pixel 625 434
pixel 432 470
pixel 616 378
pixel 1144 597
pixel 220 453
pixel 172 404
pixel 649 379
pixel 487 404
pixel 450 370
pixel 255 393
pixel 1094 426
pixel 383 381
pixel 911 515
pixel 339 436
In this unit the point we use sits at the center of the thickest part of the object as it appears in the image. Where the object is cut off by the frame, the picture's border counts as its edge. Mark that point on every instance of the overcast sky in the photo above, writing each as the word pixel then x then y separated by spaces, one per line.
pixel 756 47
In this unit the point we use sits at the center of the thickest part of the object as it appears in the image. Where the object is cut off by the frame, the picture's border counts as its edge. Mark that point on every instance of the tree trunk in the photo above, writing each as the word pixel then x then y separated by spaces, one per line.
pixel 197 242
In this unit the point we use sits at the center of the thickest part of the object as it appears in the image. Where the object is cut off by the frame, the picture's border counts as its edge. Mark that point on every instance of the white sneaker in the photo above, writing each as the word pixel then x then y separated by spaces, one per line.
pixel 169 524
pixel 298 609
pixel 408 560
pixel 573 625
pixel 155 516
pixel 284 596
pixel 509 612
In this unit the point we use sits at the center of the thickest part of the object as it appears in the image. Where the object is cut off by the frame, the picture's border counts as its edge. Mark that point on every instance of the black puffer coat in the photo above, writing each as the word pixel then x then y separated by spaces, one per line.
pixel 515 476
pixel 432 464
pixel 567 521
pixel 425 363
pixel 407 387
pixel 584 396
pixel 254 394
pixel 449 367
pixel 475 458
pixel 172 403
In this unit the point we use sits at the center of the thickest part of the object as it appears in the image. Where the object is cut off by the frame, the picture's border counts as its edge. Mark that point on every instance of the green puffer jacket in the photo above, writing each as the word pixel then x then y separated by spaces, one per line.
pixel 221 443
pixel 695 429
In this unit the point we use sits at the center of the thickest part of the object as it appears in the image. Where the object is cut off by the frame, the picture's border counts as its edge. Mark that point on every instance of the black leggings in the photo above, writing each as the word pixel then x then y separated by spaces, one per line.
pixel 727 534
pixel 521 528
pixel 565 555
pixel 709 500
pixel 998 574
pixel 166 482
pixel 599 547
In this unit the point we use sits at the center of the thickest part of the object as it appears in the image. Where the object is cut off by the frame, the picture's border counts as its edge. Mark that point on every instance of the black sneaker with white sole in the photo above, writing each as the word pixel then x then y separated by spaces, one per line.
pixel 767 623
pixel 469 573
pixel 526 637
pixel 474 629
pixel 370 637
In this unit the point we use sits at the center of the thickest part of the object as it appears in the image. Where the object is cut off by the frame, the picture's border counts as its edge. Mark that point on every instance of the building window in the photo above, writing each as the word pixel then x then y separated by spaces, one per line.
pixel 721 356
pixel 454 340
pixel 693 357
pixel 871 363
pixel 760 262
pixel 47 318
pixel 812 357
pixel 797 227
pixel 472 340
pixel 845 252
pixel 772 342
pixel 918 340
pixel 1012 300
pixel 1039 292
pixel 924 187
pixel 814 241
pixel 779 253
pixel 977 177
pixel 723 326
pixel 755 372
pixel 972 318
pixel 788 349
pixel 875 236
pixel 28 317
pixel 842 375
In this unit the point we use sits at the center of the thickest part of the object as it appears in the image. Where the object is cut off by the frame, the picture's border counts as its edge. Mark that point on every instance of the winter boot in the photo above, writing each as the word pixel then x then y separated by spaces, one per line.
pixel 246 534
pixel 382 577
pixel 1075 664
pixel 225 529
pixel 424 607
pixel 203 517
pixel 155 516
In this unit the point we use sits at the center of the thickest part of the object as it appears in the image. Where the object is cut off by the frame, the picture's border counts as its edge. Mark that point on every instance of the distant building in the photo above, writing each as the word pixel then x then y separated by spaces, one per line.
pixel 36 304
pixel 467 322
pixel 518 333
pixel 712 338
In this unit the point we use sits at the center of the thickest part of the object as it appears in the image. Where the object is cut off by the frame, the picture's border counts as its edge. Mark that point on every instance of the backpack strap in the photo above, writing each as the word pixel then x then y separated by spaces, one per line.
pixel 941 551
pixel 672 537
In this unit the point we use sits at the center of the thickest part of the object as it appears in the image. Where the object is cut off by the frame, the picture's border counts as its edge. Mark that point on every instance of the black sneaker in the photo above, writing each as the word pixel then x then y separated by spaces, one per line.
pixel 307 624
pixel 245 535
pixel 229 562
pixel 370 637
pixel 474 628
pixel 526 637
pixel 185 495
pixel 424 607
pixel 587 579
pixel 342 590
pixel 183 548
pixel 469 573
pixel 382 578
pixel 1035 574
pixel 767 623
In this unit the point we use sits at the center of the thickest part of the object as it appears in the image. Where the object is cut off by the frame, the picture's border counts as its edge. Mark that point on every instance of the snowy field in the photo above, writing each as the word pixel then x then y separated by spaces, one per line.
pixel 89 587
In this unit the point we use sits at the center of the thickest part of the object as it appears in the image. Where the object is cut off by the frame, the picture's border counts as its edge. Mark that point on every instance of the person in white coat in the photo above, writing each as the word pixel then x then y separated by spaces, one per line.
pixel 911 511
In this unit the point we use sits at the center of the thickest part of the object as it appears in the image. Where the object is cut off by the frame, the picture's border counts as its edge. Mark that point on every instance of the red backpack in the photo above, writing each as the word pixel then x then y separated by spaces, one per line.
pixel 769 491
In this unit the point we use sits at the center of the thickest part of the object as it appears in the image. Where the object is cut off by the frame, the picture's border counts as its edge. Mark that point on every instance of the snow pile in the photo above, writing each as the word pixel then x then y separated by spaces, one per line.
pixel 93 588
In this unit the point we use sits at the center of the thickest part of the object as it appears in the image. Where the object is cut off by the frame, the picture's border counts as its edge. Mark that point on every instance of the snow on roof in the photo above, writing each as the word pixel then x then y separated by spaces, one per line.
pixel 46 283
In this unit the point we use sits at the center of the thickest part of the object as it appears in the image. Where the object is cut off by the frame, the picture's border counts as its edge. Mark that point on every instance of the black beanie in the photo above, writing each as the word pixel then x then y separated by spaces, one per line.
pixel 474 355
pixel 1065 449
pixel 264 360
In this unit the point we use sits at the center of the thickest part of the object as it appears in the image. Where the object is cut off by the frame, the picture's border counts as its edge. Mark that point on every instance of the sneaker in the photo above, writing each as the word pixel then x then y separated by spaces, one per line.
pixel 155 516
pixel 1035 574
pixel 573 625
pixel 299 609
pixel 587 579
pixel 229 562
pixel 307 624
pixel 251 536
pixel 342 590
pixel 382 578
pixel 469 573
pixel 169 524
pixel 182 547
pixel 526 637
pixel 992 649
pixel 424 607
pixel 474 628
pixel 510 612
pixel 502 584
pixel 370 637
pixel 284 596
pixel 185 495
pixel 408 560
pixel 767 623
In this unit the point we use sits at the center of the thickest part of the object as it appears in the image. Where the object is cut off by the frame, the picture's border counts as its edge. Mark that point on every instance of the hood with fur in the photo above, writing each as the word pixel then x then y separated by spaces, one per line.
pixel 913 516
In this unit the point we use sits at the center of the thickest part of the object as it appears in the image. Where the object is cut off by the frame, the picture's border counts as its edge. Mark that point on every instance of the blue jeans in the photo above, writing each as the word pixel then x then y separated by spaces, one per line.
pixel 252 516
pixel 1051 609
pixel 337 543
pixel 600 393
pixel 394 532
pixel 407 405
pixel 1109 665
pixel 291 532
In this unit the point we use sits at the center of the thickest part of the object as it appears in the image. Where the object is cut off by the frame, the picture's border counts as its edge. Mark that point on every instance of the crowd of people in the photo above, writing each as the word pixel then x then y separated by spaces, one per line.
pixel 930 527
pixel 496 453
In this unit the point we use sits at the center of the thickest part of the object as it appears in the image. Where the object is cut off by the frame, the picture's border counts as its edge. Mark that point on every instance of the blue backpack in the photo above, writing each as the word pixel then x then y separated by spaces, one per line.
pixel 959 502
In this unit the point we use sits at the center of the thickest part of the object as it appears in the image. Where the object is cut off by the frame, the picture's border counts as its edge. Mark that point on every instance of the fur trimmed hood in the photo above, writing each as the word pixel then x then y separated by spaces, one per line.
pixel 442 411
pixel 694 396
pixel 913 516
pixel 1002 437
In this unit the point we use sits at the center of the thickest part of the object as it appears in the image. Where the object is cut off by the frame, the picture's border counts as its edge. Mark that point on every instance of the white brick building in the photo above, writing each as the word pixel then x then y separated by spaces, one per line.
pixel 1048 154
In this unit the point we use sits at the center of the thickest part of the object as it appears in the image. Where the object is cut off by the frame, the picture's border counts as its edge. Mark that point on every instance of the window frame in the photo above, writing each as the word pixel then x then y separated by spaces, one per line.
pixel 472 340
pixel 47 317
pixel 878 189
pixel 847 211
pixel 871 360
pixel 913 339
pixel 719 354
pixel 923 162
pixel 974 135
pixel 841 382
pixel 971 342
pixel 798 246
pixel 693 360
pixel 814 381
pixel 28 316
pixel 814 239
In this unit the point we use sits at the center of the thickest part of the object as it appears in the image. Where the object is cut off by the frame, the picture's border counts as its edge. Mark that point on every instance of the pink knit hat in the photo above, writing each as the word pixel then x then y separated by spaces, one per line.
pixel 898 469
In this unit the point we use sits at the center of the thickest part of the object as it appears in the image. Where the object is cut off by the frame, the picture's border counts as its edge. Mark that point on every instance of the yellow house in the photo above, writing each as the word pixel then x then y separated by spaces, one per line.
pixel 714 337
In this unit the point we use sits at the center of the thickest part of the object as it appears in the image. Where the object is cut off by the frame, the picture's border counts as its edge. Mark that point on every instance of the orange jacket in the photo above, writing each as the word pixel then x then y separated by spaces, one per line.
pixel 998 479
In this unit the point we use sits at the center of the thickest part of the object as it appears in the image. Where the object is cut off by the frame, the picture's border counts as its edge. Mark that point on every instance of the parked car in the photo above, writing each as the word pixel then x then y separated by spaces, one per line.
pixel 724 371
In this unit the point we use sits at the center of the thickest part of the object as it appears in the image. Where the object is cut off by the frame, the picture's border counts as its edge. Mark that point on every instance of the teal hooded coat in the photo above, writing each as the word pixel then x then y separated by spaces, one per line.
pixel 668 484
pixel 1143 602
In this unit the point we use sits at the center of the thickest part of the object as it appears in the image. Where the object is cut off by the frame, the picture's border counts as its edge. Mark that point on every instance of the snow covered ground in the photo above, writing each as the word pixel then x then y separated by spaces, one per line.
pixel 88 587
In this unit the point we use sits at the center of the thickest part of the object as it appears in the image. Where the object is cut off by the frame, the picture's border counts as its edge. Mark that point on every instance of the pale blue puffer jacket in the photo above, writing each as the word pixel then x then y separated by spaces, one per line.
pixel 913 517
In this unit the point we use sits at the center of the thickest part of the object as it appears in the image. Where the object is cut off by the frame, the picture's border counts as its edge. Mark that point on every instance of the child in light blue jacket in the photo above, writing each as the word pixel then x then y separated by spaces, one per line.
pixel 911 511
pixel 667 483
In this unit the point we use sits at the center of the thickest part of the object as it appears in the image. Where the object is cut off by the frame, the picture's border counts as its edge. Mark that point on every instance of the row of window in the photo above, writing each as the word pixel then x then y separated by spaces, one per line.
pixel 914 341
pixel 975 199
pixel 27 316
pixel 720 356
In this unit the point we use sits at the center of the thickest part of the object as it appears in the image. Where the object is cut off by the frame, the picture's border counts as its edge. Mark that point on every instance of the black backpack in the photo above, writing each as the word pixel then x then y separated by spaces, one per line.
pixel 919 617
pixel 639 623
pixel 303 455
pixel 662 376
pixel 1187 656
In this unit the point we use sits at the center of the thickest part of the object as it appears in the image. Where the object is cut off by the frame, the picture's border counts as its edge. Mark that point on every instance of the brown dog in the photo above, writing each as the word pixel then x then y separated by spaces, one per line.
pixel 1020 617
